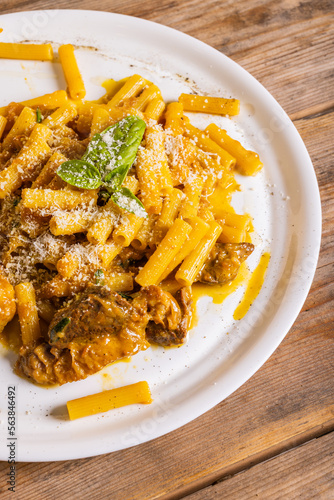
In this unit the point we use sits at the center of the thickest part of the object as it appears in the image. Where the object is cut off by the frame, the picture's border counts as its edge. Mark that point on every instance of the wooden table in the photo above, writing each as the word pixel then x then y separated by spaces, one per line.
pixel 274 437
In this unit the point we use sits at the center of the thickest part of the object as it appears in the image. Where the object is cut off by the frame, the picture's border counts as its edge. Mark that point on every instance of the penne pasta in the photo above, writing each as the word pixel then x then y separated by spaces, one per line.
pixel 204 142
pixel 155 109
pixel 127 229
pixel 199 230
pixel 23 125
pixel 175 238
pixel 208 104
pixel 173 117
pixel 72 73
pixel 133 86
pixel 138 393
pixel 53 200
pixel 193 263
pixel 169 212
pixel 28 313
pixel 49 170
pixel 247 162
pixel 149 183
pixel 33 153
pixel 42 52
pixel 61 116
pixel 3 123
pixel 7 302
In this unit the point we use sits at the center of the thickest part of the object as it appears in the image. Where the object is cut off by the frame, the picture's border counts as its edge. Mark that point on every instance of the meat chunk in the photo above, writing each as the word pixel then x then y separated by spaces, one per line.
pixel 100 326
pixel 94 330
pixel 96 312
pixel 169 317
pixel 224 262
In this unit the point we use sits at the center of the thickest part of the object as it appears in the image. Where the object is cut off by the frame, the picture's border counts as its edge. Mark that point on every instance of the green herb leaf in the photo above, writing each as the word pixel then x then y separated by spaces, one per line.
pixel 123 140
pixel 39 116
pixel 99 277
pixel 125 199
pixel 16 201
pixel 80 173
pixel 125 296
pixel 58 328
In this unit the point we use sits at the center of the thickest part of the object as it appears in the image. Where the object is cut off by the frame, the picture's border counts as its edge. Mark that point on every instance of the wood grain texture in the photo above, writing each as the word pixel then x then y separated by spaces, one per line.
pixel 305 472
pixel 287 46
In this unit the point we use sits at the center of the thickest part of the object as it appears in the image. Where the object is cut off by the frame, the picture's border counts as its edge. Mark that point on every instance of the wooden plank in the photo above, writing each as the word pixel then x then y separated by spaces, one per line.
pixel 305 472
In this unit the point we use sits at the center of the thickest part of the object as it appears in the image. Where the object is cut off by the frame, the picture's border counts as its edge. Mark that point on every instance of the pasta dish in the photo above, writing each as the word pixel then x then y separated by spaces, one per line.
pixel 110 211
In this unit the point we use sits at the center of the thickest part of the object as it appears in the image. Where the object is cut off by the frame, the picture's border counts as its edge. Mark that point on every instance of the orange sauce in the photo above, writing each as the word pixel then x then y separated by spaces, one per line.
pixel 253 287
pixel 218 292
pixel 10 337
pixel 252 281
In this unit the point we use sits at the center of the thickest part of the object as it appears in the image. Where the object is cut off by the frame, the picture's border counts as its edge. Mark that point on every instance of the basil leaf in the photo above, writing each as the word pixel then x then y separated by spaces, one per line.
pixel 123 140
pixel 98 153
pixel 80 173
pixel 124 198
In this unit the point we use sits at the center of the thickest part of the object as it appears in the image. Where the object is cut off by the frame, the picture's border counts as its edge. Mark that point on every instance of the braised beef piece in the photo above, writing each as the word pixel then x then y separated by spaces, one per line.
pixel 169 317
pixel 94 313
pixel 100 326
pixel 224 262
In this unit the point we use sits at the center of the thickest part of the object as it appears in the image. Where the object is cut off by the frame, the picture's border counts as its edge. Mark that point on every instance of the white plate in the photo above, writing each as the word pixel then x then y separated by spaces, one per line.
pixel 283 199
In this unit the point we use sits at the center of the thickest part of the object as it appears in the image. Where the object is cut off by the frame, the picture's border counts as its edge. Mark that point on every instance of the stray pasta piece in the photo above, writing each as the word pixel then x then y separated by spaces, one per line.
pixel 138 393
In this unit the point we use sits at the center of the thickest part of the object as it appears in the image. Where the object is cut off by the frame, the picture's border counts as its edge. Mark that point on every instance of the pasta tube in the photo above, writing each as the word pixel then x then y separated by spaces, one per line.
pixel 48 101
pixel 28 313
pixel 68 264
pixel 23 125
pixel 199 230
pixel 119 282
pixel 108 252
pixel 207 104
pixel 154 138
pixel 51 199
pixel 33 153
pixel 204 142
pixel 7 302
pixel 146 96
pixel 49 170
pixel 72 73
pixel 194 262
pixel 169 212
pixel 41 52
pixel 130 88
pixel 138 393
pixel 174 113
pixel 248 162
pixel 155 108
pixel 148 182
pixel 3 123
pixel 175 238
pixel 127 229
pixel 192 190
pixel 100 121
pixel 61 116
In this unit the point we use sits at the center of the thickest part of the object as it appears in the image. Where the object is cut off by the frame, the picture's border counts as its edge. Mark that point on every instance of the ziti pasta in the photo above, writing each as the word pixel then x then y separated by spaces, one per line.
pixel 107 218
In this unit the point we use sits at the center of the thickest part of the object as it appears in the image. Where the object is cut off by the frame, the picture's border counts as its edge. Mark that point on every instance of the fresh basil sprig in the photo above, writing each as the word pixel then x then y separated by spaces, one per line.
pixel 107 161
